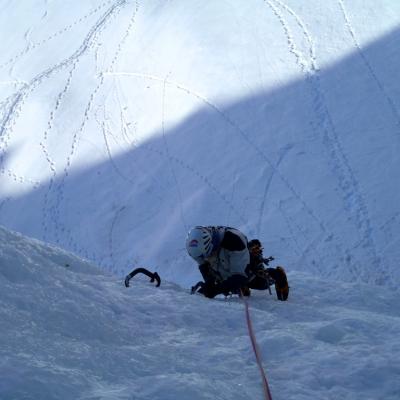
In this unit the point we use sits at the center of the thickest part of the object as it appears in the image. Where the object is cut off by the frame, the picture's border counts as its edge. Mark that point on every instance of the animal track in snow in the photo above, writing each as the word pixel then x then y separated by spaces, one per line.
pixel 33 45
pixel 60 189
pixel 390 101
pixel 353 198
pixel 235 126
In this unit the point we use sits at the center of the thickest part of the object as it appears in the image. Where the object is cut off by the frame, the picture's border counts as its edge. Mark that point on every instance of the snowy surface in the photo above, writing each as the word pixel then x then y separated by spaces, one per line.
pixel 123 123
pixel 69 331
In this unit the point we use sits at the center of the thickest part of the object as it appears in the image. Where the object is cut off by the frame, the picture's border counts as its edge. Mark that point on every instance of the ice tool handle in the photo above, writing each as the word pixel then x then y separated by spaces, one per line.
pixel 152 275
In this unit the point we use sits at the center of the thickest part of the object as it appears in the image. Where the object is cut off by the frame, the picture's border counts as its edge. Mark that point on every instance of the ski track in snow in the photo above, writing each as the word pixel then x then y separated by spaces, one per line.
pixel 237 128
pixel 117 214
pixel 266 190
pixel 179 162
pixel 289 223
pixel 347 180
pixel 301 249
pixel 124 128
pixel 169 158
pixel 107 131
pixel 232 197
pixel 130 142
pixel 390 101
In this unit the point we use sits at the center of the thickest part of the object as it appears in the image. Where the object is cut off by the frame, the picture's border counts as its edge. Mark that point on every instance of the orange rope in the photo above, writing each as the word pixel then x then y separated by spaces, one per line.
pixel 267 392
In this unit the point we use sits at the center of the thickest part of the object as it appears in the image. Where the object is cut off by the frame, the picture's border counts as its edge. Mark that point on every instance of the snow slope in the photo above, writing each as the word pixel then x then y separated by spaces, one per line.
pixel 70 331
pixel 123 123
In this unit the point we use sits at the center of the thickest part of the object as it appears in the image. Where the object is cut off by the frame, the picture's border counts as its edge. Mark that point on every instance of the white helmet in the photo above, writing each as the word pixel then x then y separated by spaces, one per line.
pixel 199 243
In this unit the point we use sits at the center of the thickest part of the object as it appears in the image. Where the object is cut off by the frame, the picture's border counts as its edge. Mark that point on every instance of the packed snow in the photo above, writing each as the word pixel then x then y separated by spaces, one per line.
pixel 124 123
pixel 70 331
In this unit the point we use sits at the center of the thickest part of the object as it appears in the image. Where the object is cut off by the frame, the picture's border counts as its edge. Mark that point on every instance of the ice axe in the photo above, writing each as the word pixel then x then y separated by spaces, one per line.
pixel 152 275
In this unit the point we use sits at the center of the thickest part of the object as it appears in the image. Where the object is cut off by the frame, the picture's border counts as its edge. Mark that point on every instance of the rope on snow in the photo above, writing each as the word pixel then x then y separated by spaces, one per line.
pixel 267 392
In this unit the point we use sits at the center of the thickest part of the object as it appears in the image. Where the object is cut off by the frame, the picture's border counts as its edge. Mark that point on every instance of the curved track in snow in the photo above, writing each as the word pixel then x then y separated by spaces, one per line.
pixel 353 197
